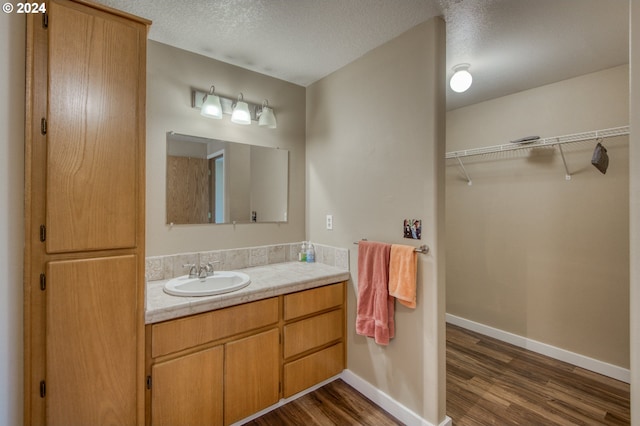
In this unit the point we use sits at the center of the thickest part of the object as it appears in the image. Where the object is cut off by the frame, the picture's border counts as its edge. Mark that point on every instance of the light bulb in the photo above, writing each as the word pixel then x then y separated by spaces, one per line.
pixel 241 114
pixel 211 107
pixel 267 119
pixel 462 79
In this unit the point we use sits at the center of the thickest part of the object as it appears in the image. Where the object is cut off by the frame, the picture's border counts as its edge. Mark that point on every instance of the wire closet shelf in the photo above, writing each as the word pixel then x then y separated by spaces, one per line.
pixel 550 141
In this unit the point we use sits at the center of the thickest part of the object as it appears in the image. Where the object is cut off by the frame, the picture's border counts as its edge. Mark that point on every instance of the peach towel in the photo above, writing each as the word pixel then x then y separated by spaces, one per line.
pixel 375 307
pixel 403 265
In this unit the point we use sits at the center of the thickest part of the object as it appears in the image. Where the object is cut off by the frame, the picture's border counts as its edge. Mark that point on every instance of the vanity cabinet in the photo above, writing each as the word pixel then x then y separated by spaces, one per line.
pixel 314 337
pixel 84 216
pixel 222 366
pixel 217 367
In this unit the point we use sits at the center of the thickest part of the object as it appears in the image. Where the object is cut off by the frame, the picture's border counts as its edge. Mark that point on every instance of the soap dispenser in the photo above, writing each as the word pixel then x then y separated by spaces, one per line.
pixel 302 255
pixel 311 253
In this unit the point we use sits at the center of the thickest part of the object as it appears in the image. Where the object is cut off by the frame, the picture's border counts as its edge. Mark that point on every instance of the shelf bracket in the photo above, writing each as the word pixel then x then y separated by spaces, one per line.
pixel 567 175
pixel 466 175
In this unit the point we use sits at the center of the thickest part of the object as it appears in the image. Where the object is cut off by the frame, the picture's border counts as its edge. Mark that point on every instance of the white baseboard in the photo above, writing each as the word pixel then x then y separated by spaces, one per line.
pixel 387 403
pixel 585 362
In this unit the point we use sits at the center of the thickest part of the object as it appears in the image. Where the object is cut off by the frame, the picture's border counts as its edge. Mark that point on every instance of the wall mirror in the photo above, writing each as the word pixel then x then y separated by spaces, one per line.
pixel 216 181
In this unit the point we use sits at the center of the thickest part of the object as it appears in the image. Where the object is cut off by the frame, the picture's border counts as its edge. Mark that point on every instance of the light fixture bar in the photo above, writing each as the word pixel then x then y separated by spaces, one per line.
pixel 227 103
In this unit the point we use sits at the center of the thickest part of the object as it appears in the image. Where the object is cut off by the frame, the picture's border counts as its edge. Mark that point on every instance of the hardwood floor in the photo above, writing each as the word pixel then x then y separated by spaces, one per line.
pixel 333 404
pixel 489 382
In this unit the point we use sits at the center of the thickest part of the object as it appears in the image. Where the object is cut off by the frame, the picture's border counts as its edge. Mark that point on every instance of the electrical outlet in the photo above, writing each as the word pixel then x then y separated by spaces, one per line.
pixel 329 221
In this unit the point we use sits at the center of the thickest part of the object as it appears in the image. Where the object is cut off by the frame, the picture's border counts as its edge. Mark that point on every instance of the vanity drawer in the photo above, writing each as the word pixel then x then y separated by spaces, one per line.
pixel 310 370
pixel 175 335
pixel 312 332
pixel 314 300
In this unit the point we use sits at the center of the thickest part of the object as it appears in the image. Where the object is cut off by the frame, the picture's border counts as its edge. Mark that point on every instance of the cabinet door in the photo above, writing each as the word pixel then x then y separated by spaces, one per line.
pixel 188 390
pixel 91 346
pixel 93 154
pixel 252 375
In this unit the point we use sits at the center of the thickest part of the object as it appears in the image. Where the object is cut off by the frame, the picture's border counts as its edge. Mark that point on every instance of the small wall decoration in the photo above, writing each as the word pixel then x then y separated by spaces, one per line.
pixel 413 229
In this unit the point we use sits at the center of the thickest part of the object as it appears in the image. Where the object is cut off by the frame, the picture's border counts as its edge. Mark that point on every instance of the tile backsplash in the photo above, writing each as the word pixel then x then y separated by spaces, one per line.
pixel 171 266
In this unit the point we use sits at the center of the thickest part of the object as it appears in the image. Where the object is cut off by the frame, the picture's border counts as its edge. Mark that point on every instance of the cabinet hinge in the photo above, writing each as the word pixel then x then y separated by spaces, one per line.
pixel 43 233
pixel 43 282
pixel 43 389
pixel 43 126
pixel 279 387
pixel 148 382
pixel 45 20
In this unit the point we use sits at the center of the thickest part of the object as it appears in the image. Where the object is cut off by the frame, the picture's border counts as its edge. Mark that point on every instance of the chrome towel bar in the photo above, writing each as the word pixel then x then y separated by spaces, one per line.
pixel 422 249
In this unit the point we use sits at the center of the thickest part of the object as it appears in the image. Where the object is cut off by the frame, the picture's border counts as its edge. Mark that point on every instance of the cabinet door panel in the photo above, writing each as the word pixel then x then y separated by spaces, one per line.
pixel 91 346
pixel 252 377
pixel 188 390
pixel 92 135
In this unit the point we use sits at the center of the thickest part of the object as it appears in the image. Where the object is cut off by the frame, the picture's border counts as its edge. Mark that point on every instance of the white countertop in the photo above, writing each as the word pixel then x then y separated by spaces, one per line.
pixel 266 281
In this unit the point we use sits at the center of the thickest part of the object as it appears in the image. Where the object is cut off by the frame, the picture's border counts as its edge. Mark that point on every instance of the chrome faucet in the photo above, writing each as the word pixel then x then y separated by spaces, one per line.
pixel 205 271
pixel 202 271
pixel 193 270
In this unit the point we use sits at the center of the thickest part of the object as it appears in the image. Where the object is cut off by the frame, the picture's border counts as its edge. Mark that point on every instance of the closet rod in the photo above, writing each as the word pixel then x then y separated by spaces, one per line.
pixel 422 249
pixel 551 141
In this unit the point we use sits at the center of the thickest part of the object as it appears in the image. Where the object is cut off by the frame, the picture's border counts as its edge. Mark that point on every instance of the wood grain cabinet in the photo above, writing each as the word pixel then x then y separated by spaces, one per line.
pixel 314 331
pixel 244 377
pixel 251 375
pixel 230 363
pixel 188 390
pixel 84 216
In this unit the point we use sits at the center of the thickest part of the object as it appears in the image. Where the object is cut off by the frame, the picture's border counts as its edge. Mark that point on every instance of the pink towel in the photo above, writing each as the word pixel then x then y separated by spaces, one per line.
pixel 403 264
pixel 375 306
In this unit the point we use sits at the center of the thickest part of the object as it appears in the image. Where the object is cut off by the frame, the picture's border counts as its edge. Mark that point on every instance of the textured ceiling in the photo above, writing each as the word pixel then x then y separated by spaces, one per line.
pixel 512 45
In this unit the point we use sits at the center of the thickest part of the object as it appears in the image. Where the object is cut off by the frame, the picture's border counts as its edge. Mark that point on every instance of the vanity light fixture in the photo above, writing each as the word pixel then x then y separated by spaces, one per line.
pixel 461 79
pixel 241 114
pixel 211 107
pixel 265 115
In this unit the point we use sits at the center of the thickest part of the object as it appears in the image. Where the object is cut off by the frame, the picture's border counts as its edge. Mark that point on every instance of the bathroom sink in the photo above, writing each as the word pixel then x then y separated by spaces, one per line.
pixel 218 283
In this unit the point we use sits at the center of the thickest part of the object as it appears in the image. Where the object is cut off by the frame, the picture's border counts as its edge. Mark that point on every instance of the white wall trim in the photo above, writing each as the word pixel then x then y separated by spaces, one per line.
pixel 387 403
pixel 591 364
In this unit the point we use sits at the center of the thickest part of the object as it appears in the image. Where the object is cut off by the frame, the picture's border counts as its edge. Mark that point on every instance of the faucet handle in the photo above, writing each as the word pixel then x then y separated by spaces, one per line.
pixel 209 267
pixel 193 270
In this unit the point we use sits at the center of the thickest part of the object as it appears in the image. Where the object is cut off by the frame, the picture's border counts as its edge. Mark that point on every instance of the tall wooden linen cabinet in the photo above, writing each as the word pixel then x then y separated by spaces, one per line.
pixel 84 216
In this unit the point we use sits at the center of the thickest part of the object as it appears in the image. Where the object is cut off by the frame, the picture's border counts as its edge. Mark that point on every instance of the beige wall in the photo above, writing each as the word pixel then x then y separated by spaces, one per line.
pixel 171 73
pixel 12 62
pixel 634 160
pixel 527 251
pixel 375 144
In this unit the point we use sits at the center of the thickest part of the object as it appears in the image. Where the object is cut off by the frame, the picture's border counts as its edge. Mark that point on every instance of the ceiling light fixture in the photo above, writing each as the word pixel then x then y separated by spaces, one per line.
pixel 211 107
pixel 461 79
pixel 241 114
pixel 265 115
